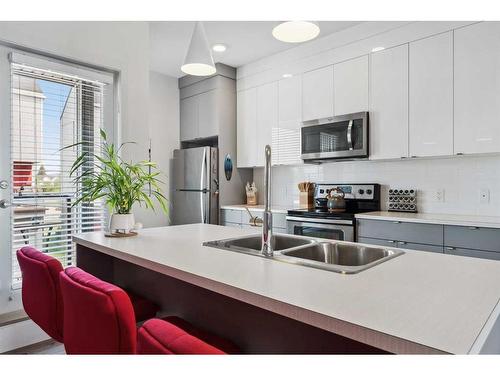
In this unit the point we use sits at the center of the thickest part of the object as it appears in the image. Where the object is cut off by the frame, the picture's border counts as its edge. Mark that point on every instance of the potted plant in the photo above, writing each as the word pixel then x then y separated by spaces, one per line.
pixel 105 175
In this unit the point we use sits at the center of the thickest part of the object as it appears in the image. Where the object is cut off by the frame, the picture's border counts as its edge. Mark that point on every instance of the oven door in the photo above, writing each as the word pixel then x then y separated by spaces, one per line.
pixel 341 230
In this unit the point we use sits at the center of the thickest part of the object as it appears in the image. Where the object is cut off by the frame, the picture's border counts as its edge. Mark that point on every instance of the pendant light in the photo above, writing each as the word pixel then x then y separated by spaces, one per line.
pixel 199 60
pixel 296 31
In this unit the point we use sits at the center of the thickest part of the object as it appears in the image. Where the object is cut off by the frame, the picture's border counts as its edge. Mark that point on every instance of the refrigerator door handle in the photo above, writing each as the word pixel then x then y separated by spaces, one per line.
pixel 202 180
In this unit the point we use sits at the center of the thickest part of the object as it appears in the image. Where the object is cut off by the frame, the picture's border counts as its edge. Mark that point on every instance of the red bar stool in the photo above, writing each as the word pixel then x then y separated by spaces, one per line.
pixel 41 293
pixel 99 319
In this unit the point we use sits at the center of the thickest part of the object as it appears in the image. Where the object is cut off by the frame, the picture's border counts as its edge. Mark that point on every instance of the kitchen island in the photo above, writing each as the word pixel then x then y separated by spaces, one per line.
pixel 415 303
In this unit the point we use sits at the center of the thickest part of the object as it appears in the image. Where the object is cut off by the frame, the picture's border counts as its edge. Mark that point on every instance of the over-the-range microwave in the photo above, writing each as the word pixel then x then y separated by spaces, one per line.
pixel 340 137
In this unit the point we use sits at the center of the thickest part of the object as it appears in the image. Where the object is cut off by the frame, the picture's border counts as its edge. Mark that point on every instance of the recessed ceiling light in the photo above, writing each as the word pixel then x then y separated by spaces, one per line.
pixel 287 75
pixel 296 31
pixel 219 47
pixel 376 49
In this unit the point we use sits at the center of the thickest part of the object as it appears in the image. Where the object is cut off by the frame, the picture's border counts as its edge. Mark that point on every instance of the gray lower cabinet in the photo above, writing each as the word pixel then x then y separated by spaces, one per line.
pixel 472 253
pixel 451 239
pixel 401 231
pixel 401 244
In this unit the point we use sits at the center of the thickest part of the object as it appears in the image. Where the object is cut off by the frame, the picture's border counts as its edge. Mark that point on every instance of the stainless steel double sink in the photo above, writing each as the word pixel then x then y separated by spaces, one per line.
pixel 343 257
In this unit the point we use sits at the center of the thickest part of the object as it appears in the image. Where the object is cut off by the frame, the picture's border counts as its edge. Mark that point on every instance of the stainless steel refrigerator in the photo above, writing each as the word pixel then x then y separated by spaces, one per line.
pixel 195 179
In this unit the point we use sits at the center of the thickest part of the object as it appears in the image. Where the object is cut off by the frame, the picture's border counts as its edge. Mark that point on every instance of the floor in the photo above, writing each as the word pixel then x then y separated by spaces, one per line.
pixel 45 347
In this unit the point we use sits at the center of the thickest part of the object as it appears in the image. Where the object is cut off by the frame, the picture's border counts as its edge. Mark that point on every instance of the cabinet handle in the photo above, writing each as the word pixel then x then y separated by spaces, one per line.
pixel 391 241
pixel 402 242
pixel 449 248
pixel 473 228
pixel 396 222
pixel 459 153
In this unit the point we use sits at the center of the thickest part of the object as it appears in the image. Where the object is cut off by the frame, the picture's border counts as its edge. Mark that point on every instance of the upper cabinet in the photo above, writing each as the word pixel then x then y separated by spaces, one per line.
pixel 350 86
pixel 257 124
pixel 199 116
pixel 289 120
pixel 246 128
pixel 477 88
pixel 317 94
pixel 267 122
pixel 389 103
pixel 431 96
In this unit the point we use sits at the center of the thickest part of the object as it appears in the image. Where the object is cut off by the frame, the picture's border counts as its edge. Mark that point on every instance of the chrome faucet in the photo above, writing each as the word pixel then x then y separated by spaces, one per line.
pixel 267 217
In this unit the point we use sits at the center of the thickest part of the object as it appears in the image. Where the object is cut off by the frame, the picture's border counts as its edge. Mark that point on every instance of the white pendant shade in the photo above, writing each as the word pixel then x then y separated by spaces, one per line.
pixel 296 31
pixel 199 60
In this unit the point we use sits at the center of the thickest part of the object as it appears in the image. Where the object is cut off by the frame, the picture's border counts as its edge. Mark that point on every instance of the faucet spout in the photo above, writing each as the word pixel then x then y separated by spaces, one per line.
pixel 267 217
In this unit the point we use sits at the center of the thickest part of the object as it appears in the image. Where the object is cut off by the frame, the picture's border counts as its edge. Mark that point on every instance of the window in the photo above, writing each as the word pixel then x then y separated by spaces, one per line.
pixel 50 111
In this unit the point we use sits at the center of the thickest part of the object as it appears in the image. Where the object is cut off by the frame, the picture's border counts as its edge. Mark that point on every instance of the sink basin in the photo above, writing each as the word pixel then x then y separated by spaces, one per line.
pixel 252 244
pixel 339 257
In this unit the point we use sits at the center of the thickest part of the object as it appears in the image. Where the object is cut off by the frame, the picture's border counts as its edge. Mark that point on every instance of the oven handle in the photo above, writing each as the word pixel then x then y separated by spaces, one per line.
pixel 324 221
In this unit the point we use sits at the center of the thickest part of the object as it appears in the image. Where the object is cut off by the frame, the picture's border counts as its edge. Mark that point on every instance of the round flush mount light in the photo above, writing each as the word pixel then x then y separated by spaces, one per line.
pixel 296 31
pixel 199 60
pixel 287 75
pixel 219 47
pixel 376 49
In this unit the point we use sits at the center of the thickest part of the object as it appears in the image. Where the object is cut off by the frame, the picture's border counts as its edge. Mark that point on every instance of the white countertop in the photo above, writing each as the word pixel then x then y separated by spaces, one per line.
pixel 417 302
pixel 446 219
pixel 260 207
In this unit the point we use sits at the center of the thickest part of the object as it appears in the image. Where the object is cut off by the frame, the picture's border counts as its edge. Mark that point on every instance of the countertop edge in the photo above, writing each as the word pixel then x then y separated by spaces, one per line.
pixel 384 341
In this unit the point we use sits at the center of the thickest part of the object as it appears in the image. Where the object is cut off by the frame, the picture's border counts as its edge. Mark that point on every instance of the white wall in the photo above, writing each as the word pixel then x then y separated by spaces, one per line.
pixel 460 177
pixel 164 128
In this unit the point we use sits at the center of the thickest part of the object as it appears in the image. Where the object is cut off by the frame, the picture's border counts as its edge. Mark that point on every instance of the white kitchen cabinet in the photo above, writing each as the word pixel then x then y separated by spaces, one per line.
pixel 289 120
pixel 267 121
pixel 317 94
pixel 208 124
pixel 477 88
pixel 350 86
pixel 431 96
pixel 246 128
pixel 389 103
pixel 189 118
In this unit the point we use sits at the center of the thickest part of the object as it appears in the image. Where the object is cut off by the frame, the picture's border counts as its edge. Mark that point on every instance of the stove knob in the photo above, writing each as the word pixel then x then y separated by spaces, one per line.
pixel 327 191
pixel 361 191
pixel 321 191
pixel 368 191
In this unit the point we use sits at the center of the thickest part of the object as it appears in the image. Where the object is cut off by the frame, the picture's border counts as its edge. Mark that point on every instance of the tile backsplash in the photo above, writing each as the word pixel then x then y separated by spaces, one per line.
pixel 458 180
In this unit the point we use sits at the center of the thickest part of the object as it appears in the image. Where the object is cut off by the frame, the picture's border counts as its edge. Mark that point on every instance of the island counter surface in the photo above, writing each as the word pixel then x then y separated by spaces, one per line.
pixel 418 302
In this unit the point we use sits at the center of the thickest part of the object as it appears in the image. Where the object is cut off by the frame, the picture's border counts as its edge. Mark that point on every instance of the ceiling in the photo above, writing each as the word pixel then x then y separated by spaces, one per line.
pixel 246 41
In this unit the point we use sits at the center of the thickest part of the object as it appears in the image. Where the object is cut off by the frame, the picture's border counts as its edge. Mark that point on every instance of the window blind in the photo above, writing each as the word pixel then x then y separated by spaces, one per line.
pixel 50 111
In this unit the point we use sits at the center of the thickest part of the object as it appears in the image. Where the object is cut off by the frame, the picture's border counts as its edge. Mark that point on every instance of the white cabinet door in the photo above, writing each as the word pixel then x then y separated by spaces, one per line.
pixel 350 83
pixel 317 94
pixel 289 120
pixel 189 118
pixel 431 96
pixel 267 121
pixel 207 114
pixel 246 127
pixel 389 103
pixel 477 88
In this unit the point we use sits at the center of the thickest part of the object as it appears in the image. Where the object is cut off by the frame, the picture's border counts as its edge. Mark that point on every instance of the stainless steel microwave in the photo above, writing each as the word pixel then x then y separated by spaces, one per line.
pixel 340 137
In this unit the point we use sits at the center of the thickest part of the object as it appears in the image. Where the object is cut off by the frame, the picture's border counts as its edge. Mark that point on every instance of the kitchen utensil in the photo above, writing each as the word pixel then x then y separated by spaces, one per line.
pixel 336 201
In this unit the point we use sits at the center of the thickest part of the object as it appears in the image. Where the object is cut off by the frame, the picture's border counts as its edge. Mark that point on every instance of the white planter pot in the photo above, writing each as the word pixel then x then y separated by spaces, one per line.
pixel 123 223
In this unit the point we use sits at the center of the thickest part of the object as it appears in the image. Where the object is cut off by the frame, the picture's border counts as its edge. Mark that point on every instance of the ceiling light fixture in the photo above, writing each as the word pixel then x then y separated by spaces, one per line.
pixel 287 75
pixel 296 31
pixel 219 47
pixel 376 49
pixel 199 60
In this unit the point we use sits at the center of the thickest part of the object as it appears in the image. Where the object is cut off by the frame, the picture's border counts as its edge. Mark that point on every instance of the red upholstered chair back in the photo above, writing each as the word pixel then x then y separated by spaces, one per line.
pixel 42 299
pixel 158 336
pixel 98 316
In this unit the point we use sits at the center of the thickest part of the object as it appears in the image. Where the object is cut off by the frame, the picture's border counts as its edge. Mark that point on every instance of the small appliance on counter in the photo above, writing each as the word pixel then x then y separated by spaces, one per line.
pixel 320 222
pixel 306 194
pixel 251 191
pixel 402 200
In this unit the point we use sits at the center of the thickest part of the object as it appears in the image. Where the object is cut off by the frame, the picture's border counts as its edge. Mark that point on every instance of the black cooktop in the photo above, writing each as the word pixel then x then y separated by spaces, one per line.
pixel 322 213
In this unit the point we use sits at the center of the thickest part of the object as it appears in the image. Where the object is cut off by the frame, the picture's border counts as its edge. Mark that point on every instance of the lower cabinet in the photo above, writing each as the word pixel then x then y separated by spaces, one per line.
pixel 241 219
pixel 472 253
pixel 401 244
pixel 468 241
